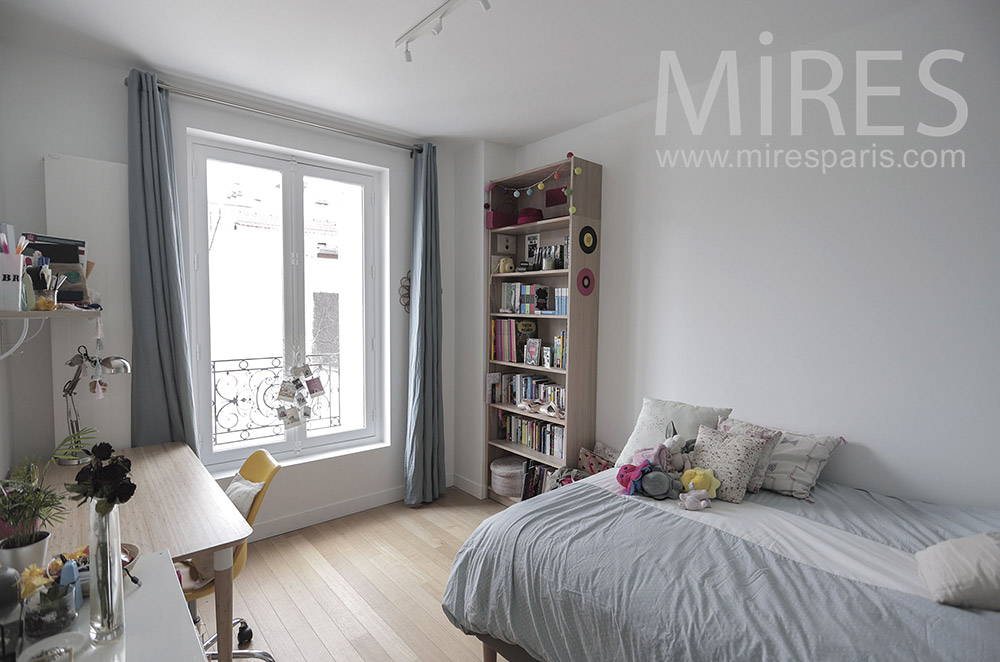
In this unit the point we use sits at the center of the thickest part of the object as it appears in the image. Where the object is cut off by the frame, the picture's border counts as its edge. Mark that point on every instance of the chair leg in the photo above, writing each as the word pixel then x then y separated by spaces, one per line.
pixel 193 608
pixel 489 655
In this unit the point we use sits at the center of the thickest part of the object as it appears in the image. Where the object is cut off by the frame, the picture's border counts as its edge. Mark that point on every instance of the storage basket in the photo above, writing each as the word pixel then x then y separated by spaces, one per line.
pixel 507 475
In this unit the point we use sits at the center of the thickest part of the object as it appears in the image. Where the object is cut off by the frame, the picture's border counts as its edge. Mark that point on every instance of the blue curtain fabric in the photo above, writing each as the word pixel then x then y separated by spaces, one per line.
pixel 162 396
pixel 424 464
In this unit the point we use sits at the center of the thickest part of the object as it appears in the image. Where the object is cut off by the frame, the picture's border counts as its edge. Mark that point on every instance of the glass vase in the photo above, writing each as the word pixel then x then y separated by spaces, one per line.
pixel 107 597
pixel 49 611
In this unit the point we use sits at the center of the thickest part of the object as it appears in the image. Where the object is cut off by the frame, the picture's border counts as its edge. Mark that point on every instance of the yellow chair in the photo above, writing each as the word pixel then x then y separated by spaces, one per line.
pixel 260 467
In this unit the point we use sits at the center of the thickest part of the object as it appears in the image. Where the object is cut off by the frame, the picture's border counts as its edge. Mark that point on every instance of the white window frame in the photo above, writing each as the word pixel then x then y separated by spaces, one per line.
pixel 294 166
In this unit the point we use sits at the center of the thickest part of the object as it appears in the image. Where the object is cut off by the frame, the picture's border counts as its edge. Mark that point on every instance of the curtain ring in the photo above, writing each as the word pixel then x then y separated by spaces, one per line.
pixel 404 291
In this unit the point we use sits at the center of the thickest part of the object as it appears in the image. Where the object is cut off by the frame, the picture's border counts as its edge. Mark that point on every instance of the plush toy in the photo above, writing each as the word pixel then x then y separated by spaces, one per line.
pixel 649 480
pixel 701 479
pixel 658 454
pixel 680 461
pixel 695 499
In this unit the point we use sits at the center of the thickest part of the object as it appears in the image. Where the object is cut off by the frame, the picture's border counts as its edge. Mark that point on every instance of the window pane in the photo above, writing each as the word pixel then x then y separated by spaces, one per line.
pixel 246 276
pixel 334 301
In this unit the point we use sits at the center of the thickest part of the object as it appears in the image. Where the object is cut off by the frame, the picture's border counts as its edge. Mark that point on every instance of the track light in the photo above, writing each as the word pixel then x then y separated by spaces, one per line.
pixel 406 53
pixel 485 4
pixel 433 24
pixel 437 27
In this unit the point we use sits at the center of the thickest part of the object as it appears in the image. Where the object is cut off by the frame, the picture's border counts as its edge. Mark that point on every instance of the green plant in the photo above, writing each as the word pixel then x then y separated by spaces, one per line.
pixel 27 504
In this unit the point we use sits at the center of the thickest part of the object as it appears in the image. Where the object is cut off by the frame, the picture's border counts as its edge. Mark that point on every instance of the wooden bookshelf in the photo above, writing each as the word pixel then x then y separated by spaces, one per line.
pixel 560 226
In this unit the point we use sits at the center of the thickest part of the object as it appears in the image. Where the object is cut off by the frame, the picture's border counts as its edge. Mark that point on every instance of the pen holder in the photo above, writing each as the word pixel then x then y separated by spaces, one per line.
pixel 46 299
pixel 11 267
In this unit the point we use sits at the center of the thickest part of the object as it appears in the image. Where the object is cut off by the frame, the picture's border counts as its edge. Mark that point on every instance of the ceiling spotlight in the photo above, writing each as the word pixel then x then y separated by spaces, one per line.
pixel 437 27
pixel 406 53
pixel 485 4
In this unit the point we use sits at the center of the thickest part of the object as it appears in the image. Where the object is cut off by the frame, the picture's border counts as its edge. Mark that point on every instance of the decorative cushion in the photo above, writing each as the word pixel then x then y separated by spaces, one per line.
pixel 770 437
pixel 655 419
pixel 796 462
pixel 731 456
pixel 242 493
pixel 964 572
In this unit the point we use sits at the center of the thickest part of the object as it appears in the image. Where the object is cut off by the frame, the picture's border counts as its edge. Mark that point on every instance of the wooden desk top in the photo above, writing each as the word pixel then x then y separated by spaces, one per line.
pixel 177 506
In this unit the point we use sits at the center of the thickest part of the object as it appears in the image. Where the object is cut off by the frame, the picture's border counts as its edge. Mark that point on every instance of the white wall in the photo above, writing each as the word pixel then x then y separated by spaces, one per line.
pixel 53 103
pixel 860 303
pixel 474 166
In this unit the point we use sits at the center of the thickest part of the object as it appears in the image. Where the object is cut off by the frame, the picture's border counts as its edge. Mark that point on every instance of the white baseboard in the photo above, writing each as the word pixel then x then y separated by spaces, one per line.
pixel 313 516
pixel 470 487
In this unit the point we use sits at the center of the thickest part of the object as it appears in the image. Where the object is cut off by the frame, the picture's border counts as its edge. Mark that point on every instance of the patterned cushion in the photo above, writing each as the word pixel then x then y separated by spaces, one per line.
pixel 657 415
pixel 797 461
pixel 732 456
pixel 770 437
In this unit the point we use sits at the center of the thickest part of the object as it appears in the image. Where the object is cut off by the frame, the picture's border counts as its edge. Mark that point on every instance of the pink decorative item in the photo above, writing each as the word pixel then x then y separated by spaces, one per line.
pixel 529 215
pixel 569 155
pixel 499 219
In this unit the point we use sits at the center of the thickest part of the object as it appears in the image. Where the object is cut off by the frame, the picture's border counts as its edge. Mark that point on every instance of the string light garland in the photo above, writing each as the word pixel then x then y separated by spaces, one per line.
pixel 539 185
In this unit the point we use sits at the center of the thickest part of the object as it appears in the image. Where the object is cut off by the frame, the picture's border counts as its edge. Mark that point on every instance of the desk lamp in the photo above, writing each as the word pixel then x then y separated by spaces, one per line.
pixel 110 365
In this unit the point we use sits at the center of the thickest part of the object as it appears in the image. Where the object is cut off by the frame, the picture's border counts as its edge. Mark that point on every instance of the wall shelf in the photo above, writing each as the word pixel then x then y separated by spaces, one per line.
pixel 27 316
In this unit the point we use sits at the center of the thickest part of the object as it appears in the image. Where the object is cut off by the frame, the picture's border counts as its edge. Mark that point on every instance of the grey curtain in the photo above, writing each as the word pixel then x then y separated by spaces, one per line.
pixel 424 466
pixel 162 400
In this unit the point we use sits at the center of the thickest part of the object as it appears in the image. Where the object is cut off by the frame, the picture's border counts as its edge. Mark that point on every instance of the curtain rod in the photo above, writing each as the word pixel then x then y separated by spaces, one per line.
pixel 222 102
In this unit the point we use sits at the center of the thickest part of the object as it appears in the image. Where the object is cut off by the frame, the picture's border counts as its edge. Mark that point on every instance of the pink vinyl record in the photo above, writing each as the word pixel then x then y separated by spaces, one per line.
pixel 585 282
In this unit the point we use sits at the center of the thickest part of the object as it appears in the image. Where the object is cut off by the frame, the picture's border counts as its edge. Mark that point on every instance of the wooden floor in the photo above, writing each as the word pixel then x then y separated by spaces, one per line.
pixel 363 587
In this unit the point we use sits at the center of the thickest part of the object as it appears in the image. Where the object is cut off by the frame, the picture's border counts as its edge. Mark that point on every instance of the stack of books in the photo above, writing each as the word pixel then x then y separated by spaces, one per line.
pixel 559 355
pixel 561 305
pixel 503 340
pixel 532 299
pixel 535 475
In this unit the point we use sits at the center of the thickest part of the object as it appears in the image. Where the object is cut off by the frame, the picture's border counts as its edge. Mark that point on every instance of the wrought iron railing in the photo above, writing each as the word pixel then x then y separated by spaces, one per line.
pixel 245 397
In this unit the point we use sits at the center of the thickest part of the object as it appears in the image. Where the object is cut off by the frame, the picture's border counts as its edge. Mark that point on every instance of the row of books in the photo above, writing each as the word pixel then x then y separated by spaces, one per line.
pixel 547 438
pixel 511 388
pixel 503 336
pixel 529 299
pixel 535 475
pixel 559 355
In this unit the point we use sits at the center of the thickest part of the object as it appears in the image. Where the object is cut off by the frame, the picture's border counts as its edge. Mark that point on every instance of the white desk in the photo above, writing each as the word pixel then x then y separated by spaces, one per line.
pixel 158 625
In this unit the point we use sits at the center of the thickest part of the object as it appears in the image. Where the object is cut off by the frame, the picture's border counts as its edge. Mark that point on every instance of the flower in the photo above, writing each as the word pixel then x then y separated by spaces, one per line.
pixel 124 491
pixel 32 579
pixel 102 451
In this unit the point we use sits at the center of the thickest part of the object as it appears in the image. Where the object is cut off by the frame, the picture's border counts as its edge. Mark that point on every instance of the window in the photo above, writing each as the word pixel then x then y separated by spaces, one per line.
pixel 285 254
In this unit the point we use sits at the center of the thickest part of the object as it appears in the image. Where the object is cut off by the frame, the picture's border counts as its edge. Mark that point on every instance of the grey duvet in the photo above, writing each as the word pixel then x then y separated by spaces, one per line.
pixel 584 574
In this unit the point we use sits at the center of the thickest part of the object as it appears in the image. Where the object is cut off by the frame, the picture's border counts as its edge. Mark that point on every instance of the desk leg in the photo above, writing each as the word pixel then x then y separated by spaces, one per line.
pixel 223 560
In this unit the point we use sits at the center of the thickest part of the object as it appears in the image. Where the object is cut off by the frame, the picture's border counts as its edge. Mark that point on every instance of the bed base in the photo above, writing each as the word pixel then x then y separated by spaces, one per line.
pixel 510 652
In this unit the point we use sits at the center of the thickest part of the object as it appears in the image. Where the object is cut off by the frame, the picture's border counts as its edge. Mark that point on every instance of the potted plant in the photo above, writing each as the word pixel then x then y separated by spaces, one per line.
pixel 28 506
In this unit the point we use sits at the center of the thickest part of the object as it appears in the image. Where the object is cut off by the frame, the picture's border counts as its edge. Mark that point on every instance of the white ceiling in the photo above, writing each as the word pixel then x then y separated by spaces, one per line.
pixel 524 70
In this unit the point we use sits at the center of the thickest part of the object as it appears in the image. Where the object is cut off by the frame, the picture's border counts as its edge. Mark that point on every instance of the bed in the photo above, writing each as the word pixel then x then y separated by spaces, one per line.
pixel 587 574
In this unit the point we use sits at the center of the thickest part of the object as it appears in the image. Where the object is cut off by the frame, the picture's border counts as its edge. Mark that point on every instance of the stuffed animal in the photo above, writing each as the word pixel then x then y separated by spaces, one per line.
pixel 649 480
pixel 695 499
pixel 679 460
pixel 701 479
pixel 658 454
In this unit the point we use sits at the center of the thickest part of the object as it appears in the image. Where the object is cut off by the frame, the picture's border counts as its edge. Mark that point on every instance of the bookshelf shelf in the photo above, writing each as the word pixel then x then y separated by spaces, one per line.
pixel 535 316
pixel 577 288
pixel 559 223
pixel 524 451
pixel 525 275
pixel 524 367
pixel 514 409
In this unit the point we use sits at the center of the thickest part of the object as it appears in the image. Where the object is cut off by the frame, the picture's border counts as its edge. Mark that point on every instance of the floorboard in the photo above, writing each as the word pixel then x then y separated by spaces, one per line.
pixel 362 588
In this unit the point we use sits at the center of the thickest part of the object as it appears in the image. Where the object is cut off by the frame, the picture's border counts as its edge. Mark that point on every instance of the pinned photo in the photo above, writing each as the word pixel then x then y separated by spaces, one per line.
pixel 291 417
pixel 297 383
pixel 315 386
pixel 300 399
pixel 307 371
pixel 287 391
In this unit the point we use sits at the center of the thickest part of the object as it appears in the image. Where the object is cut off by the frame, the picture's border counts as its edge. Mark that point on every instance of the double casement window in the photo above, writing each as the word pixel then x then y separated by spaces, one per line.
pixel 285 277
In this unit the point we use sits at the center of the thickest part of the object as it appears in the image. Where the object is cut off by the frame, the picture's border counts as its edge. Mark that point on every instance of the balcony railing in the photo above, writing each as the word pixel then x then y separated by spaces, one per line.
pixel 245 398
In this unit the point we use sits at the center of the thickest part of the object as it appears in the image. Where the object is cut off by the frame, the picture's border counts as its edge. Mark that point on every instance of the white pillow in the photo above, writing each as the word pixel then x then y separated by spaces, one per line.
pixel 242 492
pixel 964 572
pixel 796 462
pixel 656 416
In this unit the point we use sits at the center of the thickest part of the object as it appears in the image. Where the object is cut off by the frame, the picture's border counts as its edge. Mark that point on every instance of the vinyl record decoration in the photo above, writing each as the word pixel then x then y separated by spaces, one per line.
pixel 585 282
pixel 588 239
